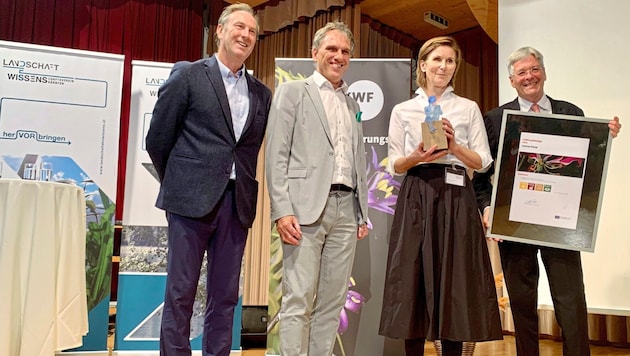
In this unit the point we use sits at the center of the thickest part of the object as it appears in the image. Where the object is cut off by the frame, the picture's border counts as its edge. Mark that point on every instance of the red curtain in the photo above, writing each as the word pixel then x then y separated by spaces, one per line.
pixel 150 30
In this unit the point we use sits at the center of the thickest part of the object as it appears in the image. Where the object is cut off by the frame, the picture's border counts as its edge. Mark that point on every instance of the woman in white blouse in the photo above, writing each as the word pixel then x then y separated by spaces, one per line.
pixel 439 283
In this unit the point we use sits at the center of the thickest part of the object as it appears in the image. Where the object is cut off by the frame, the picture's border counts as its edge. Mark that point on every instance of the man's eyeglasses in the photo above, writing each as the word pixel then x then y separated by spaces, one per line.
pixel 523 72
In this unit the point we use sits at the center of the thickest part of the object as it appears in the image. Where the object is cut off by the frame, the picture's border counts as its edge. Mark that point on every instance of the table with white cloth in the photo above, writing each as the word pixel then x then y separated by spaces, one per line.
pixel 43 303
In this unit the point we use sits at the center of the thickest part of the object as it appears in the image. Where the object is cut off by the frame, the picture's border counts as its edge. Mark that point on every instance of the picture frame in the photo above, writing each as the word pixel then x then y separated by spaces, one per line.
pixel 549 179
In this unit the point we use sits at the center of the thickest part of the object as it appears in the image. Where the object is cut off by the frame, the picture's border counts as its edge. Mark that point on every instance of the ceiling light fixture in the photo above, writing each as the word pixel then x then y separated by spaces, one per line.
pixel 435 20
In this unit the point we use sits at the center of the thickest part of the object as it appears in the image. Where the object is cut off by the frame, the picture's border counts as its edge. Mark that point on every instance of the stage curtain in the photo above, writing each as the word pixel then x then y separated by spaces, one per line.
pixel 286 12
pixel 477 78
pixel 151 30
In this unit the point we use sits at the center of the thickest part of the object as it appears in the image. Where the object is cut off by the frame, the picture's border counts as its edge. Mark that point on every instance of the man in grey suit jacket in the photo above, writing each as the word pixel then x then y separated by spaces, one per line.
pixel 315 165
pixel 207 127
pixel 519 261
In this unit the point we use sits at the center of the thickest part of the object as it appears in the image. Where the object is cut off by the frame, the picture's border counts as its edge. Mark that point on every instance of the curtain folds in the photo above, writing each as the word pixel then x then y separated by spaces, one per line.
pixel 287 12
pixel 151 30
pixel 172 30
pixel 142 29
pixel 477 78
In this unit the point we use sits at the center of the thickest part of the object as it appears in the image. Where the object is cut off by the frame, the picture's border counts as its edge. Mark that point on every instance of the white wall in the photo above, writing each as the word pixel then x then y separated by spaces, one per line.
pixel 586 45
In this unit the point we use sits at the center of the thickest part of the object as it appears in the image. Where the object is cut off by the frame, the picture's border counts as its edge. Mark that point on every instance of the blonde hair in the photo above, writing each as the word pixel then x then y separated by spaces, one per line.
pixel 427 48
pixel 224 18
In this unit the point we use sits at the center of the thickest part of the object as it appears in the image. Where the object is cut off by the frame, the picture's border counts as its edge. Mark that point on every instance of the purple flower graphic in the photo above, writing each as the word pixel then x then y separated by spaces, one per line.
pixel 551 164
pixel 381 186
pixel 354 302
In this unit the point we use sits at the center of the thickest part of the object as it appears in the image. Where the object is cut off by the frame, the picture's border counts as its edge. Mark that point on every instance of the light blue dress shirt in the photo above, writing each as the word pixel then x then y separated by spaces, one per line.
pixel 238 97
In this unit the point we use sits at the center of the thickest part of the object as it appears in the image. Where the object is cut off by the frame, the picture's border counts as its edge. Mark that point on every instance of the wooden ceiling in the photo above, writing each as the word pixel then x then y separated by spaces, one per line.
pixel 407 16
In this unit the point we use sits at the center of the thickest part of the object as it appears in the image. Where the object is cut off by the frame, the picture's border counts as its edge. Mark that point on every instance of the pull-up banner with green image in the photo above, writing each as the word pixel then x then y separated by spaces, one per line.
pixel 59 122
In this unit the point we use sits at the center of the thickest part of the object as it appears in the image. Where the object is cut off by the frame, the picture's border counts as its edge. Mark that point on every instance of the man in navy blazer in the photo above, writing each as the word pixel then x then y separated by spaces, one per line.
pixel 207 127
pixel 519 260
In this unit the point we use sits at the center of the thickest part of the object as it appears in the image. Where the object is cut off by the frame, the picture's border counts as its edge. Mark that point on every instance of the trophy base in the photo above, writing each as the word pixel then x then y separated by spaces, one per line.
pixel 437 137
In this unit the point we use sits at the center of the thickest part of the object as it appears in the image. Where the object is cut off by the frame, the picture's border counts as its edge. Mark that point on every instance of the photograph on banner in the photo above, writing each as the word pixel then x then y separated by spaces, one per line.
pixel 377 85
pixel 549 179
pixel 141 287
pixel 143 247
pixel 60 122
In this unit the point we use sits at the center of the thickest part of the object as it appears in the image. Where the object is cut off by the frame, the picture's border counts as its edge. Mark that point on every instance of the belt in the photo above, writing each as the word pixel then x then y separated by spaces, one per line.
pixel 440 165
pixel 340 187
pixel 426 167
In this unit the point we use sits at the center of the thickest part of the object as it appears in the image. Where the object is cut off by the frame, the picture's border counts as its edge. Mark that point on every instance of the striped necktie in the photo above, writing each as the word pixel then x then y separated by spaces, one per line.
pixel 534 108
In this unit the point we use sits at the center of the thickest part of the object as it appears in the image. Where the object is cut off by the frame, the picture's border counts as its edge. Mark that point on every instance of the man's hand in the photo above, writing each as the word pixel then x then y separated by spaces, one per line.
pixel 289 230
pixel 362 231
pixel 614 126
pixel 485 220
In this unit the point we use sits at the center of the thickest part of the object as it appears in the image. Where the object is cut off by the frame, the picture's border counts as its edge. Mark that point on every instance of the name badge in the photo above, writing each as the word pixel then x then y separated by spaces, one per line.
pixel 455 176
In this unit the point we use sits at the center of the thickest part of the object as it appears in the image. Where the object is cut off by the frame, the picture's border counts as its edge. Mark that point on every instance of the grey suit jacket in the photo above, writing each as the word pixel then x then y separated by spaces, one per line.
pixel 192 144
pixel 300 154
pixel 492 119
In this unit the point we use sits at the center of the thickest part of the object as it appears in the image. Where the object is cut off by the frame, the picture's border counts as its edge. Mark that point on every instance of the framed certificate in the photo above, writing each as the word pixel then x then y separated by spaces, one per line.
pixel 549 179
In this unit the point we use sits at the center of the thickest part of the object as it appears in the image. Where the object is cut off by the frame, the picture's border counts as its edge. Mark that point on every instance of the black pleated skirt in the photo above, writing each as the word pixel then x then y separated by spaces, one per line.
pixel 439 282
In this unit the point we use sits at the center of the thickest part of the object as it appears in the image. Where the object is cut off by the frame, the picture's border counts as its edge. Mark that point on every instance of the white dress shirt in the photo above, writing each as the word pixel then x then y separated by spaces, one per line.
pixel 340 125
pixel 405 128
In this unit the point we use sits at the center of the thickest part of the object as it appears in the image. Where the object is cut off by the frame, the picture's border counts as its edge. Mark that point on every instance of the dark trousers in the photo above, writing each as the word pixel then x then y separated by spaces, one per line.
pixel 564 271
pixel 222 238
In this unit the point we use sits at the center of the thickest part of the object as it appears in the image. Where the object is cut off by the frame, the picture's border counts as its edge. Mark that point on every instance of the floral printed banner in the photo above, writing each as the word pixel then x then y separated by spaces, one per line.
pixel 377 85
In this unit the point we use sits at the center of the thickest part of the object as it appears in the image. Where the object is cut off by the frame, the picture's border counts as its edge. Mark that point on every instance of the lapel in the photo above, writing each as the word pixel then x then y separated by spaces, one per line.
pixel 556 107
pixel 313 93
pixel 252 87
pixel 214 74
pixel 514 105
pixel 354 123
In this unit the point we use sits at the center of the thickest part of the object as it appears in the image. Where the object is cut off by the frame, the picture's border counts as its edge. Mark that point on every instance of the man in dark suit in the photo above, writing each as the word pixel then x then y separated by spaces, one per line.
pixel 519 260
pixel 316 175
pixel 207 127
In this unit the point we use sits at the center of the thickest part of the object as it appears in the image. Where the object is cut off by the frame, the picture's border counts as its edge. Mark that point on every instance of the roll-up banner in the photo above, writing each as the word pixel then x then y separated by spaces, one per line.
pixel 60 121
pixel 377 85
pixel 143 250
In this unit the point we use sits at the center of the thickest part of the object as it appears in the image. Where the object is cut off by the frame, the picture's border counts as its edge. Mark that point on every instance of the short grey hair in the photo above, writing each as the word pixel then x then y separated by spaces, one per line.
pixel 229 10
pixel 336 25
pixel 522 53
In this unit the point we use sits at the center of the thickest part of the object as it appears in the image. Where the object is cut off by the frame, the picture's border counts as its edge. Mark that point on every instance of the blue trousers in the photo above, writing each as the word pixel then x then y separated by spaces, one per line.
pixel 221 237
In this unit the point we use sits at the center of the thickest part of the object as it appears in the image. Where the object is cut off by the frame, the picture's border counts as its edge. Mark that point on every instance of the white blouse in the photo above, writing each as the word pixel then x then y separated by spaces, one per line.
pixel 405 129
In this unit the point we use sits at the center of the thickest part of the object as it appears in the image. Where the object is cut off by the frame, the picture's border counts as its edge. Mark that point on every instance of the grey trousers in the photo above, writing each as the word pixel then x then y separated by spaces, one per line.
pixel 315 279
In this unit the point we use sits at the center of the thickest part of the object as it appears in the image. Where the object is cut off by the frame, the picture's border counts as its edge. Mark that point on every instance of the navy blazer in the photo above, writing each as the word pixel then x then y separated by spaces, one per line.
pixel 192 144
pixel 492 119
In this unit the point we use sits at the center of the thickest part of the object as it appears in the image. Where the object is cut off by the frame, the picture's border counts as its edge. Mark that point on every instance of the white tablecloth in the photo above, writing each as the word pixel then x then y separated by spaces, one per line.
pixel 43 304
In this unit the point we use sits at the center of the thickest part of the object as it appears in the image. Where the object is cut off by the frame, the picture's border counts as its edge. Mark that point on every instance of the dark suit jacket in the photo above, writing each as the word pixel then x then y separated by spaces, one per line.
pixel 192 144
pixel 492 119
